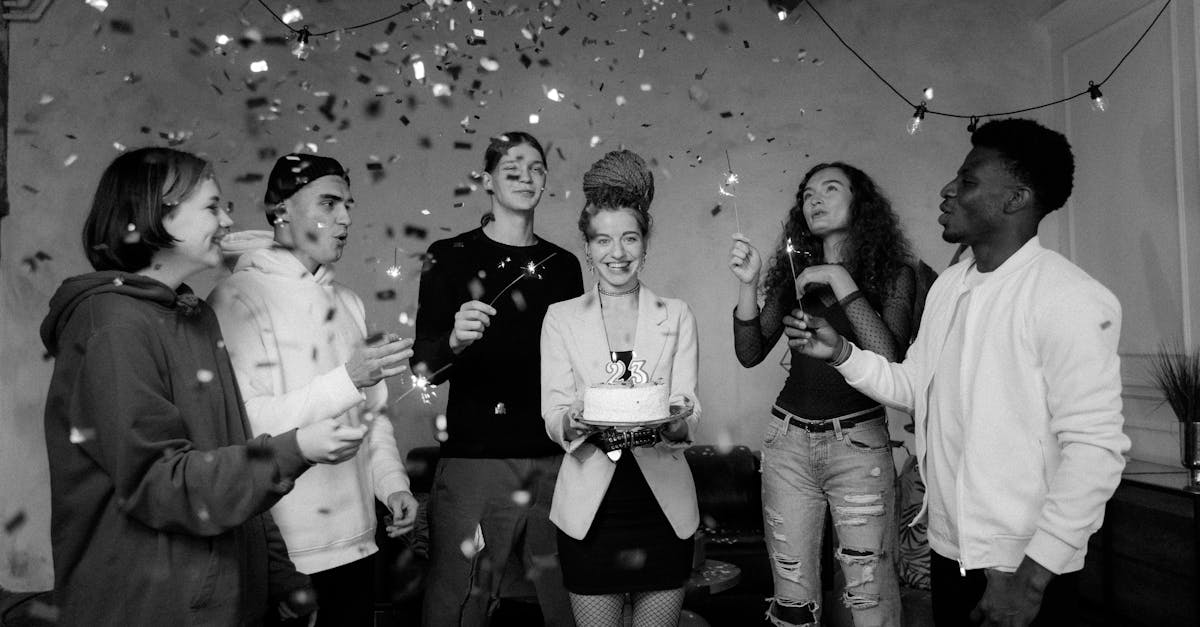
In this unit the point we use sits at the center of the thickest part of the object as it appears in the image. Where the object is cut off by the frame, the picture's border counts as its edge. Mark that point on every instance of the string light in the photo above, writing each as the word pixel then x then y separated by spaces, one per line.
pixel 1098 101
pixel 1093 89
pixel 301 49
pixel 914 124
pixel 403 9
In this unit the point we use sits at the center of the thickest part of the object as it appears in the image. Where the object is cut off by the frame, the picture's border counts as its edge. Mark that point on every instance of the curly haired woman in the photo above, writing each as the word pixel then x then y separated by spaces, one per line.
pixel 826 445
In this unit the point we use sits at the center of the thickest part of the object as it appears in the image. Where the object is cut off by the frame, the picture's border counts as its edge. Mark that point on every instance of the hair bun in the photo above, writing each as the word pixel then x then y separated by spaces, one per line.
pixel 619 179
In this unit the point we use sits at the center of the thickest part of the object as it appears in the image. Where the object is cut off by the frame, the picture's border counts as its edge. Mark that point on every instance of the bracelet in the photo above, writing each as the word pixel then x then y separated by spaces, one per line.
pixel 842 354
pixel 851 297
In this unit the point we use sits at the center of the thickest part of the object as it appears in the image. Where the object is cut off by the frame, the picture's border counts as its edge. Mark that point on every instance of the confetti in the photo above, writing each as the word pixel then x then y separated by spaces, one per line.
pixel 204 376
pixel 489 64
pixel 15 523
pixel 928 93
pixel 291 16
pixel 522 498
pixel 223 40
pixel 534 118
pixel 554 95
pixel 258 66
pixel 99 5
pixel 418 68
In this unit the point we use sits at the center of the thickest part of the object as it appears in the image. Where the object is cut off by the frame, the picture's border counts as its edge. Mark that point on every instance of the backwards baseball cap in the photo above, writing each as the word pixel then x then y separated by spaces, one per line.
pixel 292 172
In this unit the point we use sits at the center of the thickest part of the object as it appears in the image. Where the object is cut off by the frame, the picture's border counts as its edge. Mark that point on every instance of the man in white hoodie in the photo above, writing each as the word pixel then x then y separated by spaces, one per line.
pixel 298 344
pixel 1015 386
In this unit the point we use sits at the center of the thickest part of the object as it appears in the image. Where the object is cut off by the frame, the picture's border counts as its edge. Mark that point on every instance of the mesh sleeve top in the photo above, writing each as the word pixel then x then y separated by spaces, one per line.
pixel 813 389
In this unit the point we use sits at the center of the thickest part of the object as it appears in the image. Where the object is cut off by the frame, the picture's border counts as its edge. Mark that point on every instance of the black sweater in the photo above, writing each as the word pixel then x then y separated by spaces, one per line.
pixel 494 406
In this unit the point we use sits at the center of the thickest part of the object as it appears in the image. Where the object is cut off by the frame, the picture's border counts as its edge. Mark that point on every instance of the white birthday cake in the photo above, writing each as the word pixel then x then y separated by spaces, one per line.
pixel 626 404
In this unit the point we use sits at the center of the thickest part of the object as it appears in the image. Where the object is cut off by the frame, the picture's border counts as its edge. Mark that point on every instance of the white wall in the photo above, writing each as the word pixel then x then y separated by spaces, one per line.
pixel 977 54
pixel 1132 221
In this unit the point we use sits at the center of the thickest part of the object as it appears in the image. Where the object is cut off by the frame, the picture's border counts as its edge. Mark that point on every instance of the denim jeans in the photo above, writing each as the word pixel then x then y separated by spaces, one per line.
pixel 851 471
pixel 461 589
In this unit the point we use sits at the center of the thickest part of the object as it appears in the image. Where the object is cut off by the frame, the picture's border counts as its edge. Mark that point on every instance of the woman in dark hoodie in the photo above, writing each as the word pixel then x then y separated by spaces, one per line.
pixel 159 497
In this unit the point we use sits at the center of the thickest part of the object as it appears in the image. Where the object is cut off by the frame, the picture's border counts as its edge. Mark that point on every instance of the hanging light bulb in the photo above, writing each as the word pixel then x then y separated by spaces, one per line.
pixel 302 49
pixel 914 124
pixel 973 125
pixel 1099 103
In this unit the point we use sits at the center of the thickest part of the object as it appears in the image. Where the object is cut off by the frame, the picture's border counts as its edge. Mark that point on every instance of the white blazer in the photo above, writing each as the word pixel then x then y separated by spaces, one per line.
pixel 575 352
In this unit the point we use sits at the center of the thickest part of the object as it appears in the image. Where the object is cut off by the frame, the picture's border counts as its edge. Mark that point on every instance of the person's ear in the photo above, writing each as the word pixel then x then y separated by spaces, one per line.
pixel 487 182
pixel 1020 198
pixel 281 214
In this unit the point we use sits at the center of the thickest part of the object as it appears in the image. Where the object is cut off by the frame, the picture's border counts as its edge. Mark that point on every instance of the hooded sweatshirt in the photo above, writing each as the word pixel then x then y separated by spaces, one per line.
pixel 290 333
pixel 159 498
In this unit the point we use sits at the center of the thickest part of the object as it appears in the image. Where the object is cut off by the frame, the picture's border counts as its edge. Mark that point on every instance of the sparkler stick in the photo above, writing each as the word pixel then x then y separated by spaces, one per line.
pixel 790 250
pixel 530 270
pixel 731 180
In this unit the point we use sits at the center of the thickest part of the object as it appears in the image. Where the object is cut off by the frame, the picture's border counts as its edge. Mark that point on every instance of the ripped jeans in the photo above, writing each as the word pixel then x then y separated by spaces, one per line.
pixel 851 471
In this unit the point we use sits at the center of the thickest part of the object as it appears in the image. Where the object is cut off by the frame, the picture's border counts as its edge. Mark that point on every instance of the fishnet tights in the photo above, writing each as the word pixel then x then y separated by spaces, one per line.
pixel 656 608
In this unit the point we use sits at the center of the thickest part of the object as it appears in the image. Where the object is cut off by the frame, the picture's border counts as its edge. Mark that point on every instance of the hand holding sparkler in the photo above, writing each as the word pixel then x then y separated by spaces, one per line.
pixel 744 260
pixel 470 321
pixel 379 357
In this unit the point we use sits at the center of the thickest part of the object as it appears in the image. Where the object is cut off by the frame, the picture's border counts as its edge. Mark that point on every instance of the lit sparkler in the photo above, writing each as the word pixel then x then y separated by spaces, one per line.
pixel 528 271
pixel 790 250
pixel 726 187
pixel 395 270
pixel 421 383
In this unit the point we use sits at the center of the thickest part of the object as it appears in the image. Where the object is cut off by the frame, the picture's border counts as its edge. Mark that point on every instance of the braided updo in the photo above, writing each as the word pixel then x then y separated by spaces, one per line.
pixel 619 180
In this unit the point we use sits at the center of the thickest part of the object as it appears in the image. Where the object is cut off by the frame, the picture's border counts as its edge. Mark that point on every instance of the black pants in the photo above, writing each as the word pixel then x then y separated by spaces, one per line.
pixel 954 596
pixel 345 595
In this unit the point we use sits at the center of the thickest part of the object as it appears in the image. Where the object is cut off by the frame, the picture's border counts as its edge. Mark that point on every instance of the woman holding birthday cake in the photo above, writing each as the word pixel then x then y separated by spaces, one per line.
pixel 619 394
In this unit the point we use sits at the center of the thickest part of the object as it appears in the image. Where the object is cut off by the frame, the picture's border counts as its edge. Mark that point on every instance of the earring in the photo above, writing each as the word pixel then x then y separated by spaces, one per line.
pixel 590 265
pixel 643 262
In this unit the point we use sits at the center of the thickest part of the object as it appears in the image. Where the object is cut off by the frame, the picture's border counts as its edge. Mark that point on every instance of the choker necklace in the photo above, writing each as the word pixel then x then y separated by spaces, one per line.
pixel 632 290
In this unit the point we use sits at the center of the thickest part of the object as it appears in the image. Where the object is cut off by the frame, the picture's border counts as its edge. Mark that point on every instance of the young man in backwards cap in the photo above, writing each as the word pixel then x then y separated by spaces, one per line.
pixel 297 340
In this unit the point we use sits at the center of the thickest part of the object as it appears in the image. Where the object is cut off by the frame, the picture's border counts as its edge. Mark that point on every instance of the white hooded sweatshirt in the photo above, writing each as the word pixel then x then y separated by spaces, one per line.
pixel 289 334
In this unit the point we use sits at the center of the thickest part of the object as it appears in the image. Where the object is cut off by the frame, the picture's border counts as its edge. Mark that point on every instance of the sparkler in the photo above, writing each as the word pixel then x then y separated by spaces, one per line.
pixel 420 383
pixel 790 250
pixel 530 270
pixel 395 270
pixel 731 181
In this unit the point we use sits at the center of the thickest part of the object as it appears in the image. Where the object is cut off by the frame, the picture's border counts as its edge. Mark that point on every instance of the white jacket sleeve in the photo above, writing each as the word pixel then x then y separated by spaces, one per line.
pixel 260 380
pixel 685 365
pixel 1076 337
pixel 886 382
pixel 559 395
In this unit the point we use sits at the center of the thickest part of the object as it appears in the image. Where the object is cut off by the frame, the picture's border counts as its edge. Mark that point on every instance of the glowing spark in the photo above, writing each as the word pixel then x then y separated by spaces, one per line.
pixel 394 270
pixel 528 271
pixel 792 264
pixel 725 188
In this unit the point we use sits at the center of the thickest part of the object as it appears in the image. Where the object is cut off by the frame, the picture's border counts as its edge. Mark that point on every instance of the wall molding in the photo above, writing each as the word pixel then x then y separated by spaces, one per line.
pixel 24 10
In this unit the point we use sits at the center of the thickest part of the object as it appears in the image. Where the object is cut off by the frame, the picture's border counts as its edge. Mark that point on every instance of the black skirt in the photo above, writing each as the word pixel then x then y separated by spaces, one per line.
pixel 631 546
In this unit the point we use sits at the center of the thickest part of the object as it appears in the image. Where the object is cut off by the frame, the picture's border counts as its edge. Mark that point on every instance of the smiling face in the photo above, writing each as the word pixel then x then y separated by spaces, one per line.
pixel 197 223
pixel 316 221
pixel 518 180
pixel 973 203
pixel 616 248
pixel 826 200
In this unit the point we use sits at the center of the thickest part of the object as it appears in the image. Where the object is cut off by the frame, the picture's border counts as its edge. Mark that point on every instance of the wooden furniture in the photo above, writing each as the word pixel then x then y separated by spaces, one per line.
pixel 1143 567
